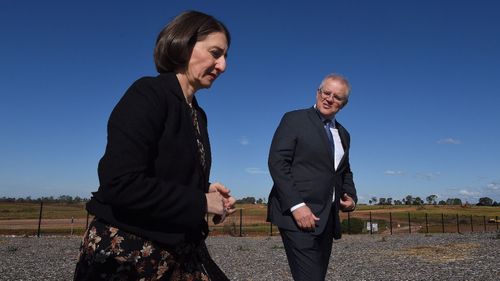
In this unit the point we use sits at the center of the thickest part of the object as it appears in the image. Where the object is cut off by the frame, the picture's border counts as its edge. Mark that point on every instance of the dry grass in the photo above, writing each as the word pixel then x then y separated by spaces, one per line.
pixel 441 253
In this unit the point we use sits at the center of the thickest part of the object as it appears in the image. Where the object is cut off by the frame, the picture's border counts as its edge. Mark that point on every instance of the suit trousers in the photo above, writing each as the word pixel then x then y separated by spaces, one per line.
pixel 308 254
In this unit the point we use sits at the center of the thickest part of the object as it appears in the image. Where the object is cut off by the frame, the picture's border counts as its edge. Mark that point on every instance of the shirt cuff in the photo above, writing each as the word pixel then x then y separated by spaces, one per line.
pixel 297 206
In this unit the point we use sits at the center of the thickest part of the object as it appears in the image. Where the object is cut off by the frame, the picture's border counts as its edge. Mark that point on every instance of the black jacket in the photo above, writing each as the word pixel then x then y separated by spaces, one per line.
pixel 151 180
pixel 302 169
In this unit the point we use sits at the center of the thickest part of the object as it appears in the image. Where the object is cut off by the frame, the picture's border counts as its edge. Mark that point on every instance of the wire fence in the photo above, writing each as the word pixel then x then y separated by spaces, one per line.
pixel 241 224
pixel 63 220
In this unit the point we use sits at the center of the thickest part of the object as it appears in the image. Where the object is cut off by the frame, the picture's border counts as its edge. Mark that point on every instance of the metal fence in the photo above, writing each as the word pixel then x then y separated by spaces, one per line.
pixel 252 222
pixel 240 224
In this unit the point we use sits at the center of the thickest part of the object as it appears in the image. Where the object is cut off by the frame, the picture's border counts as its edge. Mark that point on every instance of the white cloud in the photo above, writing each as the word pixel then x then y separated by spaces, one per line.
pixel 468 193
pixel 493 186
pixel 449 141
pixel 429 175
pixel 394 173
pixel 244 140
pixel 256 171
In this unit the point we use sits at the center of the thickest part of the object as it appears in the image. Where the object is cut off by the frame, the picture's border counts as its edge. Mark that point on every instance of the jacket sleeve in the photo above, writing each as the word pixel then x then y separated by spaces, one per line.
pixel 281 156
pixel 126 171
pixel 348 181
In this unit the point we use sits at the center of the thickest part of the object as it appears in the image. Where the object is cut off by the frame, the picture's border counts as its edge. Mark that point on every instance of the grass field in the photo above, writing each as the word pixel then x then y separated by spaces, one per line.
pixel 58 218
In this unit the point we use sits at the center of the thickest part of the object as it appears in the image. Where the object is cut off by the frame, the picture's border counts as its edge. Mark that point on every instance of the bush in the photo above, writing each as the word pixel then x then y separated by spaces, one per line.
pixel 356 226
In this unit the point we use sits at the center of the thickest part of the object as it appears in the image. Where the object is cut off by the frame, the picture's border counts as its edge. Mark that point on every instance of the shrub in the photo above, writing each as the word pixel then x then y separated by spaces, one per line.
pixel 356 226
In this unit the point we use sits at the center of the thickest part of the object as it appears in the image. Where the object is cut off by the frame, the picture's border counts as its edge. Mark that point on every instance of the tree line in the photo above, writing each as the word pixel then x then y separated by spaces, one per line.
pixel 429 200
pixel 49 199
pixel 408 200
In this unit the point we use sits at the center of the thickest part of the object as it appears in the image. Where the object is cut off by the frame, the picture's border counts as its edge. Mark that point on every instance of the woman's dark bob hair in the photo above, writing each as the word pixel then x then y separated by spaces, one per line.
pixel 176 40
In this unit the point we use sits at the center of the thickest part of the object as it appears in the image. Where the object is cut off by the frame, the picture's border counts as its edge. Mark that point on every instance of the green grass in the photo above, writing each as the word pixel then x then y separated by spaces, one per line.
pixel 11 210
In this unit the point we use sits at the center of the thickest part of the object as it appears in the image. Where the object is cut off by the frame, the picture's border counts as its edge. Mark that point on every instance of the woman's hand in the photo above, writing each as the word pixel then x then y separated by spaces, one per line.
pixel 215 203
pixel 228 201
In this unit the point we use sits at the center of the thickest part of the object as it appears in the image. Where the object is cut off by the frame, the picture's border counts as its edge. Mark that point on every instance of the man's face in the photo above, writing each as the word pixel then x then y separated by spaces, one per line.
pixel 331 98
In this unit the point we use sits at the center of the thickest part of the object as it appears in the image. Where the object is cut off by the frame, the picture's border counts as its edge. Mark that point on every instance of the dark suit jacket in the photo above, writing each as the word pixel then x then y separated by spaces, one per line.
pixel 151 180
pixel 302 169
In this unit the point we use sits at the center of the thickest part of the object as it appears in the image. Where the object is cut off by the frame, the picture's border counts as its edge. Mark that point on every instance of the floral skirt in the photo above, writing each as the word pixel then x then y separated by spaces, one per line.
pixel 108 253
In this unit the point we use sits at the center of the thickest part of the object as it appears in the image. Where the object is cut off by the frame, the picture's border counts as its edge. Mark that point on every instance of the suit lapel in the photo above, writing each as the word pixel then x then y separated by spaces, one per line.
pixel 320 129
pixel 343 139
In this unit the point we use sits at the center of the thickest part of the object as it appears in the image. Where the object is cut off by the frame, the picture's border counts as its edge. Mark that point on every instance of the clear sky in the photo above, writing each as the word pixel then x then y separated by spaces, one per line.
pixel 424 112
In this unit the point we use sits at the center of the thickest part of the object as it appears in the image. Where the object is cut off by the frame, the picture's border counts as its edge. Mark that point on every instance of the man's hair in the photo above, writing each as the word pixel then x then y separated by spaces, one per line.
pixel 177 39
pixel 337 77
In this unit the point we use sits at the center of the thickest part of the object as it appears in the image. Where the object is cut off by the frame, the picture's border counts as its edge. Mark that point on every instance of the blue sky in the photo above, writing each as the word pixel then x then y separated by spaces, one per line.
pixel 423 115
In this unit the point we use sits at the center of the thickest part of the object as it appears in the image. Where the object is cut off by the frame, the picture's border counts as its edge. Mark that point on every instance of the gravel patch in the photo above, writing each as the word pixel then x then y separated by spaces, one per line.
pixel 471 256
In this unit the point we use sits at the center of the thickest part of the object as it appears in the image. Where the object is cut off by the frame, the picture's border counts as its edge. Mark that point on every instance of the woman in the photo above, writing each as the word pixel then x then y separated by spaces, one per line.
pixel 154 191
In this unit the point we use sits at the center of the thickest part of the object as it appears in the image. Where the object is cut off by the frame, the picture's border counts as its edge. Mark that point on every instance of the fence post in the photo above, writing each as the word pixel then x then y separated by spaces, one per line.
pixel 458 225
pixel 349 223
pixel 40 218
pixel 241 222
pixel 72 220
pixel 442 221
pixel 390 221
pixel 471 225
pixel 426 224
pixel 409 223
pixel 371 226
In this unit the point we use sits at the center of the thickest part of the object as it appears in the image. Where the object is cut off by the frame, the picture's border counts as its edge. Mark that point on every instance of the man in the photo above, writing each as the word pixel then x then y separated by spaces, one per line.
pixel 309 164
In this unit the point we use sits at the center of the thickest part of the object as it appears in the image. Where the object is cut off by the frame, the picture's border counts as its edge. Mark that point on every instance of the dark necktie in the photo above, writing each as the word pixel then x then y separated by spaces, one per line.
pixel 328 123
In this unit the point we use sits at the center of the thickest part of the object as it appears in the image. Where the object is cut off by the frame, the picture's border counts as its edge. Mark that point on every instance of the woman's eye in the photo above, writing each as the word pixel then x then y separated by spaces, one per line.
pixel 216 53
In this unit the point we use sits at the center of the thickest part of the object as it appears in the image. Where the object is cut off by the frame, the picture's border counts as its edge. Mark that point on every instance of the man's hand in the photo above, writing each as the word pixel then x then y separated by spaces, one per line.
pixel 305 219
pixel 347 203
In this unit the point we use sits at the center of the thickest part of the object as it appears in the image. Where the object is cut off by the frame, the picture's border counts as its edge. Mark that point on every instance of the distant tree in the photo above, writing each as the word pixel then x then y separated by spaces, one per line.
pixel 442 202
pixel 398 202
pixel 495 204
pixel 485 201
pixel 24 200
pixel 418 201
pixel 246 200
pixel 382 201
pixel 374 200
pixel 408 200
pixel 47 199
pixel 431 199
pixel 65 199
pixel 389 201
pixel 453 201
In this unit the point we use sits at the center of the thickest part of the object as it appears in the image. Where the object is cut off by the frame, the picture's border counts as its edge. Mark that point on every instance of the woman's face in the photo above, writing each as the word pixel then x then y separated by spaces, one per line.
pixel 207 61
